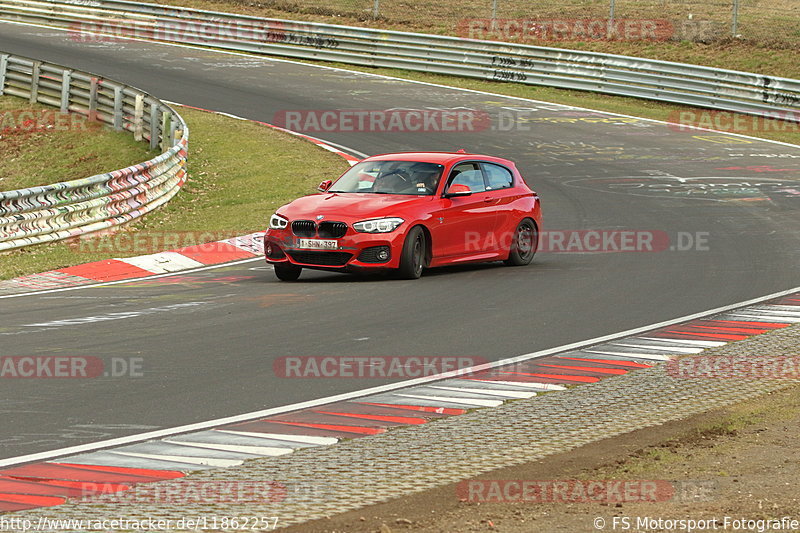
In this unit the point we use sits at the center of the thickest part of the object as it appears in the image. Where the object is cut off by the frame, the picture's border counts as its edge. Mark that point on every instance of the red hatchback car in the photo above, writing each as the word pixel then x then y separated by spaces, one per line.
pixel 406 212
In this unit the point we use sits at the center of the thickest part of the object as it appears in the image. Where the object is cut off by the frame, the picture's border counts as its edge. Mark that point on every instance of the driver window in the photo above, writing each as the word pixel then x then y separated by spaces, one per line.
pixel 466 177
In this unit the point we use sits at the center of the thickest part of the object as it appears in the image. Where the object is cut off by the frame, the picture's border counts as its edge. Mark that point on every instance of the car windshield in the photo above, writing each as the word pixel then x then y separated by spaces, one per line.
pixel 390 177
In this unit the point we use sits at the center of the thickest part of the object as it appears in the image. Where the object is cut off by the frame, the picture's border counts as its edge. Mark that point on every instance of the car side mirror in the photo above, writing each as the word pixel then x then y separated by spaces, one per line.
pixel 457 193
pixel 325 185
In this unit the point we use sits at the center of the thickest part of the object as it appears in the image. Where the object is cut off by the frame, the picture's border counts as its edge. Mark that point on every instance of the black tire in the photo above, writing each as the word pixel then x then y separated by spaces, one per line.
pixel 287 271
pixel 412 259
pixel 524 244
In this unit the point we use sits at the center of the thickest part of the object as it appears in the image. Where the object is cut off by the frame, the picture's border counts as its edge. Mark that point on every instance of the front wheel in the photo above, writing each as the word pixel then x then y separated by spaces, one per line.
pixel 524 244
pixel 413 255
pixel 287 271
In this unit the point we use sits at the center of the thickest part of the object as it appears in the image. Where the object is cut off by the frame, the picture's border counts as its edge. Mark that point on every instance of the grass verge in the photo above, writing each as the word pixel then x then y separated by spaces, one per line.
pixel 239 172
pixel 68 146
pixel 727 429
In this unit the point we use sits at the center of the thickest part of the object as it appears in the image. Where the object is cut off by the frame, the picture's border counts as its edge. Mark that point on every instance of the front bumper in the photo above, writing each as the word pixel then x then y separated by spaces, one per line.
pixel 356 251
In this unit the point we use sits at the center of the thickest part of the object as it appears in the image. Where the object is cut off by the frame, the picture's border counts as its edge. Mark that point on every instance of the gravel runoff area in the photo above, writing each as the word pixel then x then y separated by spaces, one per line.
pixel 323 481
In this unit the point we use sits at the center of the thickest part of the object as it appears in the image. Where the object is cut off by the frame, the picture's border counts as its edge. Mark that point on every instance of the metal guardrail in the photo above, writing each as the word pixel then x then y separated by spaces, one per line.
pixel 678 83
pixel 68 209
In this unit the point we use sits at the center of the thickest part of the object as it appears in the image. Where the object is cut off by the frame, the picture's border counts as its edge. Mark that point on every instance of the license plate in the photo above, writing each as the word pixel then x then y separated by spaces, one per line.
pixel 318 244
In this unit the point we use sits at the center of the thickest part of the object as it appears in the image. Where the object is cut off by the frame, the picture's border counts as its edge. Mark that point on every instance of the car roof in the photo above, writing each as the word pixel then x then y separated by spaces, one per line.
pixel 442 158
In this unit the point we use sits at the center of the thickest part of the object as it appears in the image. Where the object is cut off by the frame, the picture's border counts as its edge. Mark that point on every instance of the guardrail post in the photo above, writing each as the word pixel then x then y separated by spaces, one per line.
pixel 153 126
pixel 35 81
pixel 611 9
pixel 138 118
pixel 117 108
pixel 376 7
pixel 175 133
pixel 66 83
pixel 165 127
pixel 93 99
pixel 3 68
pixel 735 22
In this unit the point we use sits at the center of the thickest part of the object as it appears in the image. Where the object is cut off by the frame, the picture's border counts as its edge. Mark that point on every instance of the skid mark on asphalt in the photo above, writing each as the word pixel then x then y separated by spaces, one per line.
pixel 118 316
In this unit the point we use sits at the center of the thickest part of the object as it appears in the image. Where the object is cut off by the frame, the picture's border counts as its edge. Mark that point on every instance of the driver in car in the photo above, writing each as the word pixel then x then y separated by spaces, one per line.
pixel 419 179
pixel 396 181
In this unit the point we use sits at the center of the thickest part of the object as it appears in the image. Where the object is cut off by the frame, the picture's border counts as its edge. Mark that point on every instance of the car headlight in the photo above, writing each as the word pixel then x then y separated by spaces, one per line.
pixel 277 222
pixel 378 225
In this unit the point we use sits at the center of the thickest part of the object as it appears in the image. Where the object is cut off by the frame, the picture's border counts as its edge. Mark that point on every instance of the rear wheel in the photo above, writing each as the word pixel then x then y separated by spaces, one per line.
pixel 524 244
pixel 287 271
pixel 413 256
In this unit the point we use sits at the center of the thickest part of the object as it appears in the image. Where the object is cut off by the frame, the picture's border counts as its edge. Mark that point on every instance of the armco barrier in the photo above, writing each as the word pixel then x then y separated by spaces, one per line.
pixel 67 209
pixel 613 74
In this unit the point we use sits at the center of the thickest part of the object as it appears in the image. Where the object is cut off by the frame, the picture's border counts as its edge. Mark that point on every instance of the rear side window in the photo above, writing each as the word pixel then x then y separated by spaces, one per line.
pixel 498 177
pixel 466 177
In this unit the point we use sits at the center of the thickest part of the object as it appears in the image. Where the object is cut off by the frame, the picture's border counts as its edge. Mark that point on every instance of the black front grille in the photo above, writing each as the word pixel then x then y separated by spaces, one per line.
pixel 370 255
pixel 331 230
pixel 304 228
pixel 320 258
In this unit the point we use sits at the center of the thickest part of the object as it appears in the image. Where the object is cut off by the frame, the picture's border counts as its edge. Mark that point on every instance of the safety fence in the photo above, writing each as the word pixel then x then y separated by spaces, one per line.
pixel 762 22
pixel 72 208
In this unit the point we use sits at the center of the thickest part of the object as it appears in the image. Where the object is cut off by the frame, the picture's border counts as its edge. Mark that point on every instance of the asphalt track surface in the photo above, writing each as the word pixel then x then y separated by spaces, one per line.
pixel 213 358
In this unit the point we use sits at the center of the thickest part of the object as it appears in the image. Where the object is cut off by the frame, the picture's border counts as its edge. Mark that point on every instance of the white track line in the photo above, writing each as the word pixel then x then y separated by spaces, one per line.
pixel 158 434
